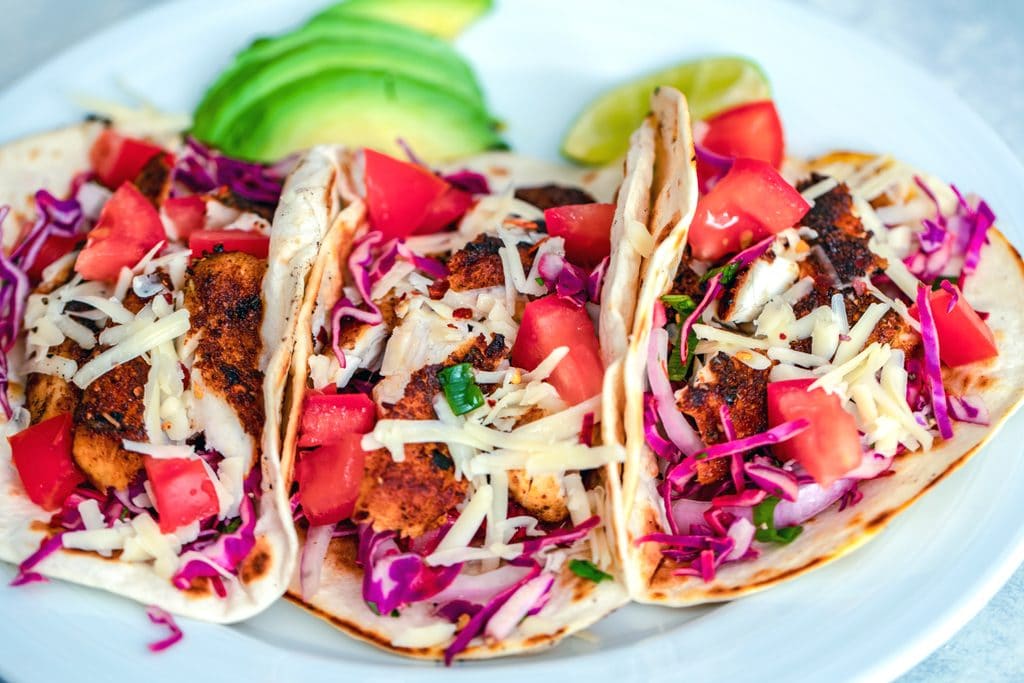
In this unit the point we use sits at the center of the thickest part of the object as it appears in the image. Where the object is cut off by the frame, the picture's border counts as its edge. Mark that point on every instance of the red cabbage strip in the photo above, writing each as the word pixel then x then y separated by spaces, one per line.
pixel 393 579
pixel 163 618
pixel 981 219
pixel 932 365
pixel 570 282
pixel 200 169
pixel 596 280
pixel 468 181
pixel 63 218
pixel 736 464
pixel 46 548
pixel 774 480
pixel 777 434
pixel 560 536
pixel 359 262
pixel 744 258
pixel 661 446
pixel 587 430
pixel 954 295
pixel 969 409
pixel 677 429
pixel 480 619
pixel 14 290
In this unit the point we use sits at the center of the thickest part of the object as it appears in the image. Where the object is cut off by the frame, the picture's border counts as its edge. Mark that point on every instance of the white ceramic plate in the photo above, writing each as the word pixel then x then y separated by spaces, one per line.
pixel 868 616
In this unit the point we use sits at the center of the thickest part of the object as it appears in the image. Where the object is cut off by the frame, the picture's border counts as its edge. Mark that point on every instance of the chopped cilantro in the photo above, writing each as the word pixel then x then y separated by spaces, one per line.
pixel 728 271
pixel 683 304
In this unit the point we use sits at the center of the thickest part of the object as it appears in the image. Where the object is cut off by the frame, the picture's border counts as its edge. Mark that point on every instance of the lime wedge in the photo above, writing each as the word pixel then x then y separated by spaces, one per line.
pixel 601 133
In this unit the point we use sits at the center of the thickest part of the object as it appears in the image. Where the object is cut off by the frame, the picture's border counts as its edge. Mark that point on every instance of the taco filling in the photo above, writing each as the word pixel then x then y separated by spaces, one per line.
pixel 802 347
pixel 130 354
pixel 448 440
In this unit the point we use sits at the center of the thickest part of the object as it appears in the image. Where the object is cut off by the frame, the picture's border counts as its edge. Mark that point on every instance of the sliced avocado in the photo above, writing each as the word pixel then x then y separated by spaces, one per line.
pixel 360 108
pixel 349 28
pixel 443 18
pixel 228 98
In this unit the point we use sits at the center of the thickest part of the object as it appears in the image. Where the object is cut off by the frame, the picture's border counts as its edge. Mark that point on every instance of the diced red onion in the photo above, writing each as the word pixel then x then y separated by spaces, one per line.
pixel 933 367
pixel 161 617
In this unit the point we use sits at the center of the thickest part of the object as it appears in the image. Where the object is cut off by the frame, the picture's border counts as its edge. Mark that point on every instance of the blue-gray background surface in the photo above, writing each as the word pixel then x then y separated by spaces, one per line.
pixel 977 48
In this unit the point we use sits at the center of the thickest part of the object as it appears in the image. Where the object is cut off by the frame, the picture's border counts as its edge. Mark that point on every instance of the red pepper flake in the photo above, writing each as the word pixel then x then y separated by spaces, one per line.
pixel 437 288
pixel 463 313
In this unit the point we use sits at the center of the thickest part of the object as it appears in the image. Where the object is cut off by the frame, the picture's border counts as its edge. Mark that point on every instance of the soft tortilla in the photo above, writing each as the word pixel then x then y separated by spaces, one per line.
pixel 997 287
pixel 575 603
pixel 307 204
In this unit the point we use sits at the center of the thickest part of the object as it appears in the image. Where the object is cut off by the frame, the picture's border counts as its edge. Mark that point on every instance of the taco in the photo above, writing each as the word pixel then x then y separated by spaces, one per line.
pixel 807 360
pixel 445 443
pixel 144 310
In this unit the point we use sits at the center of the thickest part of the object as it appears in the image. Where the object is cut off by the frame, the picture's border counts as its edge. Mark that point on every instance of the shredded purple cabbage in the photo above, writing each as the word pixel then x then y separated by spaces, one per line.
pixel 932 364
pixel 393 579
pixel 969 409
pixel 161 617
pixel 480 619
pixel 200 169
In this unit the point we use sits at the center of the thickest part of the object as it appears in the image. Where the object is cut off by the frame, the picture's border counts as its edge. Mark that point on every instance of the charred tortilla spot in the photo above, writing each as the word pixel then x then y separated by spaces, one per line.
pixel 228 197
pixel 256 564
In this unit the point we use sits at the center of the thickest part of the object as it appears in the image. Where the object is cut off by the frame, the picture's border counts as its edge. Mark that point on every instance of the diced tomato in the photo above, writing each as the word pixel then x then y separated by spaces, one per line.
pixel 963 336
pixel 329 478
pixel 42 456
pixel 128 227
pixel 551 322
pixel 205 242
pixel 586 229
pixel 182 491
pixel 749 131
pixel 445 210
pixel 117 159
pixel 188 214
pixel 830 447
pixel 327 417
pixel 52 249
pixel 399 194
pixel 751 202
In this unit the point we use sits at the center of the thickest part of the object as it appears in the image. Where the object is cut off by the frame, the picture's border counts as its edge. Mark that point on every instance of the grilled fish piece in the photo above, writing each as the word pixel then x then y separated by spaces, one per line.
pixel 551 196
pixel 47 396
pixel 725 381
pixel 223 294
pixel 745 297
pixel 111 410
pixel 478 264
pixel 415 495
